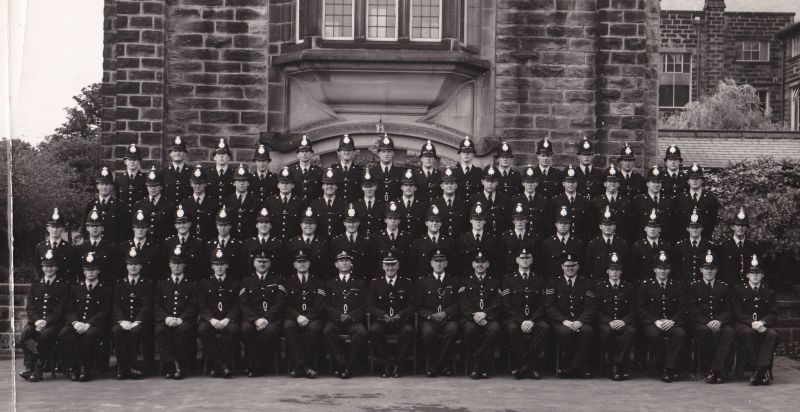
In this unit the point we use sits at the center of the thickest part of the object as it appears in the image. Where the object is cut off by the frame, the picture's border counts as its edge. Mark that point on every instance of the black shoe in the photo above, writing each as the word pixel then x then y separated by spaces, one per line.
pixel 180 371
pixel 122 373
pixel 134 373
pixel 385 373
pixel 337 372
pixel 566 373
pixel 215 373
pixel 36 375
pixel 586 375
pixel 766 377
pixel 535 374
pixel 484 374
pixel 74 375
pixel 475 374
pixel 26 374
pixel 616 374
pixel 447 372
pixel 346 373
pixel 169 370
pixel 86 376
pixel 396 371
pixel 520 373
pixel 667 375
pixel 254 372
pixel 294 373
pixel 227 373
pixel 310 373
pixel 432 373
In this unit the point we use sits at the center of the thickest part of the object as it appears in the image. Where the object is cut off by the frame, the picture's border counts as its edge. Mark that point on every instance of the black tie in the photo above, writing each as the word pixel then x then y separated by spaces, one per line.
pixel 663 285
pixel 391 236
pixel 694 196
pixel 525 276
pixel 138 247
pixel 613 200
pixel 240 197
pixel 530 198
pixel 449 203
pixel 153 201
pixel 571 199
pixel 263 241
pixel 569 282
pixel 369 205
pixel 564 240
pixel 441 278
pixel 385 170
pixel 94 244
pixel 478 238
pixel 219 280
pixel 305 170
pixel 739 244
pixel 183 240
pixel 616 286
pixel 656 199
pixel 197 200
pixel 434 240
pixel 305 279
pixel 330 203
pixel 608 242
pixel 408 204
pixel 222 243
pixel 351 238
pixel 91 286
pixel 285 200
pixel 694 243
pixel 519 236
pixel 308 241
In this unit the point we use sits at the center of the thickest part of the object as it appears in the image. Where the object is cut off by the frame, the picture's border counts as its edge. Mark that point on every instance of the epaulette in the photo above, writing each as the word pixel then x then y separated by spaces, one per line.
pixel 321 292
pixel 504 292
pixel 549 291
pixel 282 288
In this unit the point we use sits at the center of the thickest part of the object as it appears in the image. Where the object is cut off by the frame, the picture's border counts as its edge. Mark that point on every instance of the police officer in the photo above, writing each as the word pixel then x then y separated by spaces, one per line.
pixel 632 183
pixel 330 207
pixel 478 238
pixel 524 303
pixel 535 203
pixel 735 251
pixel 348 174
pixel 87 320
pixel 369 207
pixel 510 180
pixel 698 200
pixel 315 245
pixel 468 176
pixel 241 205
pixel 577 204
pixel 515 238
pixel 284 207
pixel 99 244
pixel 305 303
pixel 219 313
pixel 433 239
pixel 392 238
pixel 411 207
pixel 429 178
pixel 220 180
pixel 265 240
pixel 549 177
pixel 590 178
pixel 651 199
pixel 612 198
pixel 570 305
pixel 306 176
pixel 387 173
pixel 690 252
pixel 675 182
pixel 437 296
pixel 108 207
pixel 479 300
pixel 601 247
pixel 559 245
pixel 756 311
pixel 130 187
pixel 391 305
pixel 496 205
pixel 263 183
pixel 177 173
pixel 616 313
pixel 356 245
pixel 262 301
pixel 232 247
pixel 132 311
pixel 710 314
pixel 63 252
pixel 194 253
pixel 345 310
pixel 199 206
pixel 175 315
pixel 453 209
pixel 48 300
pixel 157 208
pixel 147 250
pixel 663 311
pixel 645 249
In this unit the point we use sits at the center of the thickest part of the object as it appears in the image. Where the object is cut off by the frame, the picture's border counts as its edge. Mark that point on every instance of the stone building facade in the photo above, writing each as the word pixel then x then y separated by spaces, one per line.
pixel 700 48
pixel 790 38
pixel 273 70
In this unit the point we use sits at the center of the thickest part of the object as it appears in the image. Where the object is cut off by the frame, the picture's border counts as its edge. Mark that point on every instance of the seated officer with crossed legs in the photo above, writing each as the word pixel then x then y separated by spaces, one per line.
pixel 345 310
pixel 305 302
pixel 570 304
pixel 175 313
pixel 87 321
pixel 616 313
pixel 523 300
pixel 710 314
pixel 389 301
pixel 479 301
pixel 132 311
pixel 756 311
pixel 48 300
pixel 261 301
pixel 662 309
pixel 439 312
pixel 218 312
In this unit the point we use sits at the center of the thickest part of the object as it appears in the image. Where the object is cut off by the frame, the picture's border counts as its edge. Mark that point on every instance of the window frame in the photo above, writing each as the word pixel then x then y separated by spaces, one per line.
pixel 396 23
pixel 674 76
pixel 794 47
pixel 352 21
pixel 740 51
pixel 411 24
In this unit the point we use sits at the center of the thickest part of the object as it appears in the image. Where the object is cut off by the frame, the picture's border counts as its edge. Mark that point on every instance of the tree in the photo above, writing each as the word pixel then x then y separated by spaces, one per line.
pixel 83 120
pixel 732 107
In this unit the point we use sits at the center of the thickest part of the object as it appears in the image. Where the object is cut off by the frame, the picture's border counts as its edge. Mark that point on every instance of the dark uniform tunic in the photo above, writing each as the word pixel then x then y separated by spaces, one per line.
pixel 132 303
pixel 349 187
pixel 656 303
pixel 537 207
pixel 112 216
pixel 202 215
pixel 707 304
pixel 263 186
pixel 285 216
pixel 524 300
pixel 756 305
pixel 733 260
pixel 129 191
pixel 218 300
pixel 549 183
pixel 243 214
pixel 176 185
pixel 434 296
pixel 469 181
pixel 388 183
pixel 308 185
pixel 454 216
pixel 161 217
pixel 177 300
pixel 590 182
pixel 49 302
pixel 689 259
pixel 308 300
pixel 219 186
pixel 345 298
pixel 194 252
pixel 63 254
pixel 261 298
pixel 87 306
pixel 616 302
pixel 395 302
pixel 707 206
pixel 573 303
pixel 480 295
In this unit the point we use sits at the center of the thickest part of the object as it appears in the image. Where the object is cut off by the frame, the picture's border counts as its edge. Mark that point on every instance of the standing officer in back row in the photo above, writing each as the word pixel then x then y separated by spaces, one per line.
pixel 548 176
pixel 263 183
pixel 510 180
pixel 130 188
pixel 468 176
pixel 698 199
pixel 177 173
pixel 388 175
pixel 590 178
pixel 306 176
pixel 348 174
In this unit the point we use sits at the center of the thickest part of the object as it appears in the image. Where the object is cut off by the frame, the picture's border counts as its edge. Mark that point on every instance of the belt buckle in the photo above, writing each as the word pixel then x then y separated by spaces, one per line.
pixel 219 306
pixel 527 310
pixel 344 308
pixel 480 304
pixel 439 308
pixel 391 311
pixel 755 316
pixel 265 305
pixel 304 307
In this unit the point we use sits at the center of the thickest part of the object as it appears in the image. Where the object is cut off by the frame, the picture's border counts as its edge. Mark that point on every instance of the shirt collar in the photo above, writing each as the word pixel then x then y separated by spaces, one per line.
pixel 92 284
pixel 177 278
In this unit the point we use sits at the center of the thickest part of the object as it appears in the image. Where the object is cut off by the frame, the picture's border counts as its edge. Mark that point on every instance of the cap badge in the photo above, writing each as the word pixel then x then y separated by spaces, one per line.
pixel 672 149
pixel 653 215
pixel 435 210
pixel 409 175
pixel 223 213
pixel 285 172
pixel 741 214
pixel 563 211
pixel 518 209
pixel 263 211
pixel 221 144
pixel 448 172
pixel 695 167
pixel 614 257
pixel 754 261
pixel 139 215
pixel 709 257
pixel 304 141
pixel 529 171
pixel 346 139
pixel 178 140
pixel 218 254
pixel 478 208
pixel 428 145
pixel 90 257
pixel 132 149
pixel 132 252
pixel 104 171
pixel 48 254
pixel 351 212
pixel 94 215
pixel 177 251
pixel 329 173
pixel 152 175
pixel 586 144
pixel 197 172
pixel 386 139
pixel 309 212
pixel 180 212
pixel 392 207
pixel 261 149
pixel 662 256
pixel 504 147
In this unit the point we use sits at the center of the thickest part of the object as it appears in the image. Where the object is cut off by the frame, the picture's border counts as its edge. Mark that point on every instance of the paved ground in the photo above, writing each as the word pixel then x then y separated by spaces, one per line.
pixel 406 394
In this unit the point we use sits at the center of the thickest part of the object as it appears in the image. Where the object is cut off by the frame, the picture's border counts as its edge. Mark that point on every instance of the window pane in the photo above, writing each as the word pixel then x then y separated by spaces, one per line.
pixel 425 19
pixel 338 18
pixel 681 94
pixel 665 95
pixel 382 19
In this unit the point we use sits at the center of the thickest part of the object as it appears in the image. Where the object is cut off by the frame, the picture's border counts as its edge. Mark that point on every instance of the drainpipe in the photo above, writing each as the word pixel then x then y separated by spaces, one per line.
pixel 698 24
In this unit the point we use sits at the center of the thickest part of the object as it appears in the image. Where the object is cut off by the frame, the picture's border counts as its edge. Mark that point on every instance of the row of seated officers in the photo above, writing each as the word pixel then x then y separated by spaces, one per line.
pixel 525 306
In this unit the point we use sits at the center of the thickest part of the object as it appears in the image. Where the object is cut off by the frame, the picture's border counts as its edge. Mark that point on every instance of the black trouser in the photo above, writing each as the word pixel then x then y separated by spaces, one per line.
pixel 358 338
pixel 444 334
pixel 79 348
pixel 260 343
pixel 217 355
pixel 175 343
pixel 526 355
pixel 760 345
pixel 36 345
pixel 617 343
pixel 303 342
pixel 405 335
pixel 127 343
pixel 675 337
pixel 573 345
pixel 480 340
pixel 713 346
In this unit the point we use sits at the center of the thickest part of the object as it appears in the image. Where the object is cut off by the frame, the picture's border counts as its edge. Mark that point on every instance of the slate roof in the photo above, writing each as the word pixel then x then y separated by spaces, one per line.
pixel 715 149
